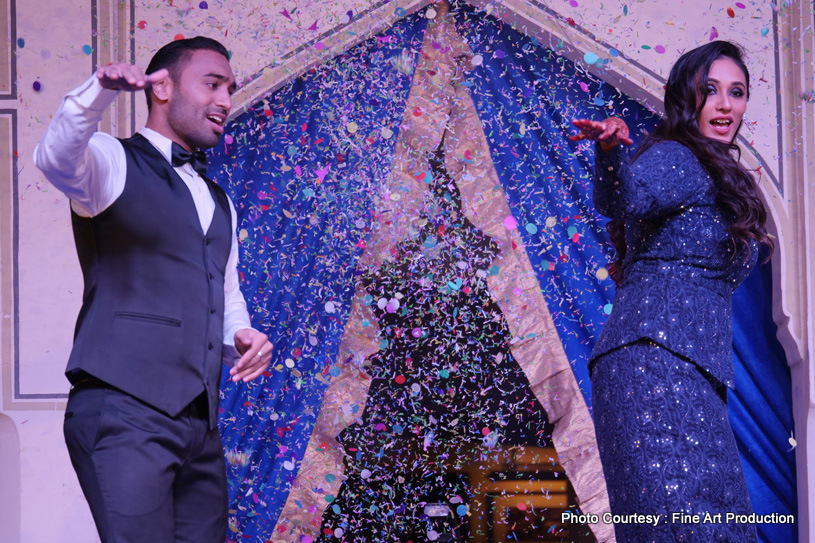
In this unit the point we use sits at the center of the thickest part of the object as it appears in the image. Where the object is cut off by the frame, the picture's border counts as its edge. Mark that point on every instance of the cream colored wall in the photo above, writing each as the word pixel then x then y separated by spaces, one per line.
pixel 40 284
pixel 40 266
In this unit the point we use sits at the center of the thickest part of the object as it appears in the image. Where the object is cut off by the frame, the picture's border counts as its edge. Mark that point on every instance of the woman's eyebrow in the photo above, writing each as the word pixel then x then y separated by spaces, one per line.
pixel 736 83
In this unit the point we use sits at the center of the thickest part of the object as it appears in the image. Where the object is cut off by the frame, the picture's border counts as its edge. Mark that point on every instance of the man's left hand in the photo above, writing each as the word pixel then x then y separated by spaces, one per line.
pixel 256 353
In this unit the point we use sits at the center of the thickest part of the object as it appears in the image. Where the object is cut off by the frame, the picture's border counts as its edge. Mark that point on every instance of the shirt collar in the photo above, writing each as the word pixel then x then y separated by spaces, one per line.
pixel 160 142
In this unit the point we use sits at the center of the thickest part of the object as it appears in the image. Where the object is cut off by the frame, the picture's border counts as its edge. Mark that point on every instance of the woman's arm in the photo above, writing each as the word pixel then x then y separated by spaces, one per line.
pixel 664 178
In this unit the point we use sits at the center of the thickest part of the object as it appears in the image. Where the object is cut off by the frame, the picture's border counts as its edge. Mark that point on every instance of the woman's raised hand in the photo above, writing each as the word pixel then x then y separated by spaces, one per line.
pixel 609 132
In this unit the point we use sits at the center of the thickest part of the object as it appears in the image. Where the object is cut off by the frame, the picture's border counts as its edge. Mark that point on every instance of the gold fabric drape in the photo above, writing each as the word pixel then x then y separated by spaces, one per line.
pixel 439 108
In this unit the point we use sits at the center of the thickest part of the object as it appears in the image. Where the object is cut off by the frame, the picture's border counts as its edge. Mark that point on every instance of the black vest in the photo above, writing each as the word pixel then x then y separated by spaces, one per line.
pixel 151 322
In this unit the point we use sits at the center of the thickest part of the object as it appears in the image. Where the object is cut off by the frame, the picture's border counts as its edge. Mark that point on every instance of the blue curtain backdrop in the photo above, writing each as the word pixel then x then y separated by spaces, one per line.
pixel 526 97
pixel 302 166
pixel 761 407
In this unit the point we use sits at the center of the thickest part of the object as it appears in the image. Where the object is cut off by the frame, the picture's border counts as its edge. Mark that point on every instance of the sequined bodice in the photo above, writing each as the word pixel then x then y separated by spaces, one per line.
pixel 681 266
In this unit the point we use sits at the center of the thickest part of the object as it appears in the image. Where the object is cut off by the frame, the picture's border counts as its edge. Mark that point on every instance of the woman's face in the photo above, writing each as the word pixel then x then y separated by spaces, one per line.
pixel 726 101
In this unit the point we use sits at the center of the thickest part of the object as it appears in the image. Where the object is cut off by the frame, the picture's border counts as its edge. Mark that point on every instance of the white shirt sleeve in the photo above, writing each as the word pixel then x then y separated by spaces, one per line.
pixel 236 316
pixel 85 165
pixel 90 168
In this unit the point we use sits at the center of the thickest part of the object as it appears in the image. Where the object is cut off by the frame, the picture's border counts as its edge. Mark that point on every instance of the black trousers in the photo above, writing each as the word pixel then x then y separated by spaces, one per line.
pixel 147 477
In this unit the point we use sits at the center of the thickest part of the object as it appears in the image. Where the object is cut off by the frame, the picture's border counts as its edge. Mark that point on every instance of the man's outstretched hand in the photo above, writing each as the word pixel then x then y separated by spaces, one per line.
pixel 128 77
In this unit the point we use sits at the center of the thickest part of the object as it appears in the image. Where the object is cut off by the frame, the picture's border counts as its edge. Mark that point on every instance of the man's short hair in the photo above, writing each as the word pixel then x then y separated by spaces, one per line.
pixel 173 55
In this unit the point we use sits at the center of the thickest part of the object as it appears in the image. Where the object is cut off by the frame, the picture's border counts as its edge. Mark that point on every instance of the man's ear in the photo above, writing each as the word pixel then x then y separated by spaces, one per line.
pixel 162 90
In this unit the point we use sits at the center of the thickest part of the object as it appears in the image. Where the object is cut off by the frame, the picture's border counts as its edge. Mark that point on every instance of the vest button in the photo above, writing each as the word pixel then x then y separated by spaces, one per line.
pixel 210 346
pixel 212 311
pixel 208 241
pixel 211 276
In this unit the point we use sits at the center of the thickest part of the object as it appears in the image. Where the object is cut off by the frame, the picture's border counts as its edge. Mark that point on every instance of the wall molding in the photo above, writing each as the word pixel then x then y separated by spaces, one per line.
pixel 8 56
pixel 9 287
pixel 794 261
pixel 9 314
pixel 112 41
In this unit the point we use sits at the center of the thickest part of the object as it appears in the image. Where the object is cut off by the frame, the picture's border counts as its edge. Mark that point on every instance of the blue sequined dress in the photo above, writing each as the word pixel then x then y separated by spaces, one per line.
pixel 663 361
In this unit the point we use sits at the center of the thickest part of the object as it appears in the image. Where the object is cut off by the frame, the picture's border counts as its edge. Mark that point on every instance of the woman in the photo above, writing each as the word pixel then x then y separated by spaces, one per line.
pixel 687 225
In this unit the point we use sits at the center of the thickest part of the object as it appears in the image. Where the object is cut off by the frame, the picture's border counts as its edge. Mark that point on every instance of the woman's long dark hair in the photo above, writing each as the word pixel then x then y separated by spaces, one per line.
pixel 685 96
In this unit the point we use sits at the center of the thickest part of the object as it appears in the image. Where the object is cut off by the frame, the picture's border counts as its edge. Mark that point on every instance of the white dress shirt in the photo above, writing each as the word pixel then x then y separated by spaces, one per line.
pixel 89 167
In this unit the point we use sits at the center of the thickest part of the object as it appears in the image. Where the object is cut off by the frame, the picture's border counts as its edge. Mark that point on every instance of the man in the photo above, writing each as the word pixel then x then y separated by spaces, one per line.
pixel 156 243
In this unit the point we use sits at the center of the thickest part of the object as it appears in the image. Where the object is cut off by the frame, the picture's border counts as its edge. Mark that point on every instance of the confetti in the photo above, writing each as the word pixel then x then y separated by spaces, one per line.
pixel 309 169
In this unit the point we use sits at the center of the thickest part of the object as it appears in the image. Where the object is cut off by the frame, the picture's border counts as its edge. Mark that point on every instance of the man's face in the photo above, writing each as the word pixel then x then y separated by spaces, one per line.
pixel 201 99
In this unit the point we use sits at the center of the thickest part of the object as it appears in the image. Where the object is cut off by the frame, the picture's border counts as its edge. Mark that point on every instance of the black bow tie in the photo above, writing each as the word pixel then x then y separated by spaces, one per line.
pixel 197 159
